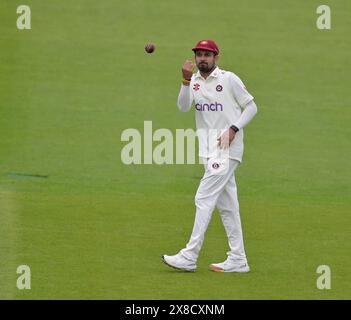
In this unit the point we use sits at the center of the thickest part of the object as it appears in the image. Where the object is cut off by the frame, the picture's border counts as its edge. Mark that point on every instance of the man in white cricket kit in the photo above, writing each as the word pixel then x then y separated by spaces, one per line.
pixel 223 108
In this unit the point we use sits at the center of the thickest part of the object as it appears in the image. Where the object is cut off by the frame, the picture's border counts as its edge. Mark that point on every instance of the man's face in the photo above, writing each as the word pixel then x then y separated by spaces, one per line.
pixel 205 60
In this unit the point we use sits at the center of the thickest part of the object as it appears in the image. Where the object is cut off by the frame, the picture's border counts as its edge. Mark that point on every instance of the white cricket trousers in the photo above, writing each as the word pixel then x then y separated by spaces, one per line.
pixel 217 190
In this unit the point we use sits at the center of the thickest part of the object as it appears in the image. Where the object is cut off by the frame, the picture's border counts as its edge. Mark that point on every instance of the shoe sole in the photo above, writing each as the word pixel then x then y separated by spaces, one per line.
pixel 176 268
pixel 217 269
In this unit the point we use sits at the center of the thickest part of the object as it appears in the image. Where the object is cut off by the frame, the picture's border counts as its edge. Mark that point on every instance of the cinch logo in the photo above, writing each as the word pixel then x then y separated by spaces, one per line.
pixel 209 107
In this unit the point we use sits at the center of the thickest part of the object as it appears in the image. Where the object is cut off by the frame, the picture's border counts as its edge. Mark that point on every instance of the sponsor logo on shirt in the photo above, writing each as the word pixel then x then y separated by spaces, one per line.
pixel 209 106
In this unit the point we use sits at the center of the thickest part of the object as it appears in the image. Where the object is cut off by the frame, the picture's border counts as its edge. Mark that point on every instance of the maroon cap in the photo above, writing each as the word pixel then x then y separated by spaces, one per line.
pixel 208 45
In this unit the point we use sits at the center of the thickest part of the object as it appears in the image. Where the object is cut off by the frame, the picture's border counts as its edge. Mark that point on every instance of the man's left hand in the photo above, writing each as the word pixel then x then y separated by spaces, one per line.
pixel 226 139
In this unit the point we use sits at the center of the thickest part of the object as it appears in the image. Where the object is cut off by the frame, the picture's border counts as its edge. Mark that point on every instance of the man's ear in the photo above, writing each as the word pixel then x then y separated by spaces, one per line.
pixel 216 58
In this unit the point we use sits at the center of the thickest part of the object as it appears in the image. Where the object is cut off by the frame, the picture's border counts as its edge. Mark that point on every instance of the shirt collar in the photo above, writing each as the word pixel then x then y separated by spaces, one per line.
pixel 213 74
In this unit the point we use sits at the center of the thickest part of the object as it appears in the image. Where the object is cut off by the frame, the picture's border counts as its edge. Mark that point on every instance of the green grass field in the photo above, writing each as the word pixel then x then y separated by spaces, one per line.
pixel 91 227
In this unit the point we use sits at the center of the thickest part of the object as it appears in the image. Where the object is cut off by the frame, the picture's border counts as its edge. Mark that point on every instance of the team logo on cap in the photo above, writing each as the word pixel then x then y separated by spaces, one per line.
pixel 219 88
pixel 196 87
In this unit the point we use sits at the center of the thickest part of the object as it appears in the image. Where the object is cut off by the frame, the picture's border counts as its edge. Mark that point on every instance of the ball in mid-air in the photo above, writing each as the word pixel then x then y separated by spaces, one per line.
pixel 150 47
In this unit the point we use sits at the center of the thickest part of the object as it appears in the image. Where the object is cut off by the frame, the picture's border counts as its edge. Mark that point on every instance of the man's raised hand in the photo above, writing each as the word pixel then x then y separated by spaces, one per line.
pixel 187 69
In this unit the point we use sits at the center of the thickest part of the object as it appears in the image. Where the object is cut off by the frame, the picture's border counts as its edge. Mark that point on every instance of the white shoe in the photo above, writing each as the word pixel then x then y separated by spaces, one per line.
pixel 179 262
pixel 229 266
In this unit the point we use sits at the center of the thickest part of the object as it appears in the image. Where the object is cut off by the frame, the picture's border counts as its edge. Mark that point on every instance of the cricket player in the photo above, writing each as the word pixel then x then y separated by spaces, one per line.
pixel 223 107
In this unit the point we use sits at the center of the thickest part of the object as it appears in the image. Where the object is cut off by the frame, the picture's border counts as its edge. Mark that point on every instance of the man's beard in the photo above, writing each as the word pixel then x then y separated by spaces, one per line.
pixel 204 67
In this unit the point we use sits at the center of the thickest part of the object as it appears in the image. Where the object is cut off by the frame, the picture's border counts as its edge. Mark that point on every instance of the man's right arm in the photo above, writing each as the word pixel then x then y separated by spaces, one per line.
pixel 185 98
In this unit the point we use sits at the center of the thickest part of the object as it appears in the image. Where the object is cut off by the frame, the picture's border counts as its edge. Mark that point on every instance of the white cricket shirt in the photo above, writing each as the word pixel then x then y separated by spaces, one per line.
pixel 218 101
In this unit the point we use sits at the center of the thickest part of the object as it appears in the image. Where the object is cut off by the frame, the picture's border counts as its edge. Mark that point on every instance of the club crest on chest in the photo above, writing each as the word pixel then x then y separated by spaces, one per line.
pixel 219 88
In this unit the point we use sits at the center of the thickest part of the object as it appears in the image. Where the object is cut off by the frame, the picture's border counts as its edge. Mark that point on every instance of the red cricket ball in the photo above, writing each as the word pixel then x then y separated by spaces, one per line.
pixel 149 47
